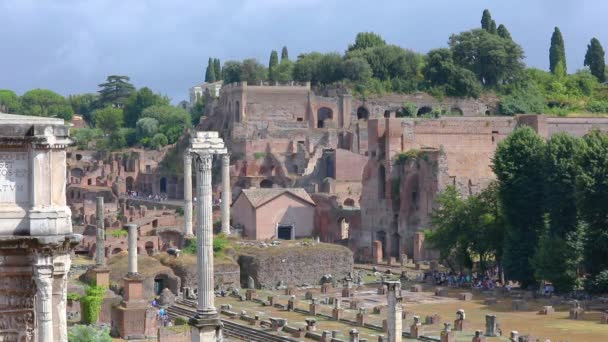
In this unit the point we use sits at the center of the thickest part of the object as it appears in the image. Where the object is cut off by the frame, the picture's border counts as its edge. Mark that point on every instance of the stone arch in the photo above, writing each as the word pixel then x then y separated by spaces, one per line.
pixel 349 202
pixel 456 111
pixel 381 182
pixel 424 110
pixel 324 114
pixel 163 184
pixel 130 182
pixel 116 251
pixel 266 183
pixel 149 248
pixel 77 172
pixel 363 113
pixel 344 228
pixel 89 181
pixel 237 112
pixel 387 114
pixel 396 245
pixel 381 236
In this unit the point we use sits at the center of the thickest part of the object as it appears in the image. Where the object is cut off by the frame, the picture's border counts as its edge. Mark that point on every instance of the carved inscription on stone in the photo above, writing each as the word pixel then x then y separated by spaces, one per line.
pixel 14 172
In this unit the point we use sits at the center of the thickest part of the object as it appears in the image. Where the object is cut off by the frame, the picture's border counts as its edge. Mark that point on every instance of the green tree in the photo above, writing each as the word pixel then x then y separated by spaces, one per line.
pixel 217 69
pixel 146 128
pixel 486 20
pixel 357 69
pixel 595 59
pixel 43 102
pixel 108 119
pixel 83 104
pixel 252 71
pixel 440 71
pixel 83 136
pixel 592 196
pixel 557 54
pixel 232 72
pixel 503 32
pixel 159 140
pixel 331 68
pixel 306 66
pixel 518 168
pixel 88 333
pixel 140 100
pixel 198 110
pixel 210 72
pixel 564 233
pixel 172 121
pixel 9 102
pixel 284 71
pixel 272 64
pixel 495 60
pixel 115 91
pixel 365 40
pixel 284 54
pixel 391 61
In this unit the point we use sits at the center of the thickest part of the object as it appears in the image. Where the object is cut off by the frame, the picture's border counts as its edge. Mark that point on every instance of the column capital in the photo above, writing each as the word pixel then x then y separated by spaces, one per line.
pixel 205 161
pixel 188 156
pixel 226 158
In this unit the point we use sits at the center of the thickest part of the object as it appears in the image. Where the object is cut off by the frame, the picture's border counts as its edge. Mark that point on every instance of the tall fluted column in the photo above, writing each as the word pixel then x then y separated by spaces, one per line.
pixel 100 250
pixel 188 194
pixel 132 249
pixel 43 276
pixel 204 236
pixel 394 320
pixel 226 194
pixel 65 261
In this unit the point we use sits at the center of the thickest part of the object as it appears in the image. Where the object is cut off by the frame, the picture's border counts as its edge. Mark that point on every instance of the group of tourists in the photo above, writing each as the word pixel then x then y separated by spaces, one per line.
pixel 149 197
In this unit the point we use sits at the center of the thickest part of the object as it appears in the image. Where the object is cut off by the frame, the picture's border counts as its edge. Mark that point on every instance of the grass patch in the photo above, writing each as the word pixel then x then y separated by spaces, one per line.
pixel 118 233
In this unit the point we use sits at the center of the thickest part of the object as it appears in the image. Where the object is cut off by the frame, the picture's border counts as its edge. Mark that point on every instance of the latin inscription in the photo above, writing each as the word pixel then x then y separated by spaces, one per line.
pixel 14 177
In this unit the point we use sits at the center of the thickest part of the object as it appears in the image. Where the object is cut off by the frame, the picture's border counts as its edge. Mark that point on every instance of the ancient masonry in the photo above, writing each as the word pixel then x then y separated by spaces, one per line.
pixel 206 325
pixel 35 231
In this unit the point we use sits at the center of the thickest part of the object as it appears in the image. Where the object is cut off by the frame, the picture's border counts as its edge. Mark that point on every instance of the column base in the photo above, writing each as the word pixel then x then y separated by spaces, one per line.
pixel 101 276
pixel 206 328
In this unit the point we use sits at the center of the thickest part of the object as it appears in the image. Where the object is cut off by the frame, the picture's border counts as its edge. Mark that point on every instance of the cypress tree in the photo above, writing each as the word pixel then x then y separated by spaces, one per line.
pixel 492 29
pixel 217 69
pixel 594 59
pixel 272 64
pixel 284 54
pixel 486 20
pixel 503 32
pixel 210 73
pixel 557 54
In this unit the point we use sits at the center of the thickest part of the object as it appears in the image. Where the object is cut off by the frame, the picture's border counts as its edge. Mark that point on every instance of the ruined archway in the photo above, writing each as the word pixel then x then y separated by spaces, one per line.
pixel 116 251
pixel 163 184
pixel 324 115
pixel 424 110
pixel 344 228
pixel 396 245
pixel 349 202
pixel 381 182
pixel 130 182
pixel 149 248
pixel 237 112
pixel 456 111
pixel 362 113
pixel 266 183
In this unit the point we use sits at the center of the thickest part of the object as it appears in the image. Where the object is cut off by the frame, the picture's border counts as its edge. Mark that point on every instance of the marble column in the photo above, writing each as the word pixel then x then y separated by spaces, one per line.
pixel 188 194
pixel 132 249
pixel 43 277
pixel 100 243
pixel 204 236
pixel 64 262
pixel 394 310
pixel 226 194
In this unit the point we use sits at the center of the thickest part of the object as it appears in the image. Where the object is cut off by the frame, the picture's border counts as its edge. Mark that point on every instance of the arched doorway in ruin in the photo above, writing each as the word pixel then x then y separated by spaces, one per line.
pixel 266 183
pixel 381 182
pixel 362 113
pixel 324 115
pixel 130 182
pixel 149 248
pixel 424 110
pixel 349 202
pixel 456 111
pixel 163 185
pixel 381 236
pixel 116 251
pixel 395 245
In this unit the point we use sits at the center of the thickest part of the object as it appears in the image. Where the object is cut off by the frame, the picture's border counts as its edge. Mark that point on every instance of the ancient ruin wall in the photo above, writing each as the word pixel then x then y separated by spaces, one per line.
pixel 296 265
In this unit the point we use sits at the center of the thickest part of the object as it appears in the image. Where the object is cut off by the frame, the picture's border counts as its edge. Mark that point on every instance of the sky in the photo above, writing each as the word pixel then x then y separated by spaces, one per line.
pixel 70 46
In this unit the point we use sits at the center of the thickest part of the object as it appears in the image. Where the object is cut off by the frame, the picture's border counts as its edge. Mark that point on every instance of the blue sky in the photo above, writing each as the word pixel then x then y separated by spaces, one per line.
pixel 70 46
